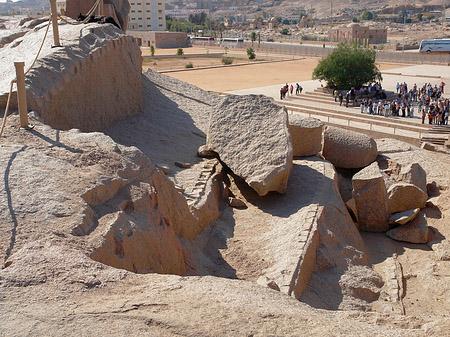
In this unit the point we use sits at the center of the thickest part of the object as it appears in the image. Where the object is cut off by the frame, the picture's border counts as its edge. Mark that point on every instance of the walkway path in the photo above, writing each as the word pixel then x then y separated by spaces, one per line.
pixel 323 107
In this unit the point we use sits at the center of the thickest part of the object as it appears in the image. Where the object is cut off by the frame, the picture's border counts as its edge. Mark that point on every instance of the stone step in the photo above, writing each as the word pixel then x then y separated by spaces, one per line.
pixel 389 94
pixel 376 120
pixel 433 141
pixel 327 100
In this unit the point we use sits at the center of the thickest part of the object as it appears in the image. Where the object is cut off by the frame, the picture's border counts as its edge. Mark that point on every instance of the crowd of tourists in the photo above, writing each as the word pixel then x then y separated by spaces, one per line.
pixel 286 89
pixel 374 91
pixel 428 101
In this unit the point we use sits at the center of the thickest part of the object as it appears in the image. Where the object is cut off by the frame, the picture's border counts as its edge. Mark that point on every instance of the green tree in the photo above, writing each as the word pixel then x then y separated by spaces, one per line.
pixel 152 50
pixel 198 19
pixel 348 66
pixel 180 52
pixel 284 31
pixel 366 15
pixel 253 37
pixel 251 54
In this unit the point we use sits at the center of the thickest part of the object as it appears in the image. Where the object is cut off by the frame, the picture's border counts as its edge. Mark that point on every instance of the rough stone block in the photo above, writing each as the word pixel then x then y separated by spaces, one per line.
pixel 414 174
pixel 251 136
pixel 306 135
pixel 372 204
pixel 403 217
pixel 348 149
pixel 403 197
pixel 414 232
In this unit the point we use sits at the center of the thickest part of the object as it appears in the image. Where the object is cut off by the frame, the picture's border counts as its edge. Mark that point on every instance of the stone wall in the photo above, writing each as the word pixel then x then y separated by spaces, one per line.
pixel 147 38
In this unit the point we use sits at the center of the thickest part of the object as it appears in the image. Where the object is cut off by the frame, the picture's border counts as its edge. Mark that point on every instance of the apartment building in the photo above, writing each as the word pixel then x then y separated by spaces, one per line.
pixel 147 15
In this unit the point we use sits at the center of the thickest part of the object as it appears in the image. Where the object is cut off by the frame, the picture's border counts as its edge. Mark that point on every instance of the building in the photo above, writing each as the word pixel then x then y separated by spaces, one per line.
pixel 355 32
pixel 146 38
pixel 147 15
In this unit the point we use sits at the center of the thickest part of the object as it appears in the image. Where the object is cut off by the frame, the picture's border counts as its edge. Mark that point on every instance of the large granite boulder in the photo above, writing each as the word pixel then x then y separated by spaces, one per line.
pixel 372 204
pixel 251 136
pixel 414 174
pixel 414 232
pixel 403 197
pixel 348 149
pixel 306 135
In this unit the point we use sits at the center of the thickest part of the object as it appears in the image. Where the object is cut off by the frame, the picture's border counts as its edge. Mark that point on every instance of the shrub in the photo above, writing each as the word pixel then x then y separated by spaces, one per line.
pixel 180 52
pixel 284 31
pixel 152 50
pixel 251 54
pixel 366 15
pixel 309 38
pixel 189 65
pixel 348 66
pixel 227 60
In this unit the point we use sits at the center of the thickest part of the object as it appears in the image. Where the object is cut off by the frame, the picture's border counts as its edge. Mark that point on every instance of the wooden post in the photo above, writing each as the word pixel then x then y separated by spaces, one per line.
pixel 54 24
pixel 21 94
pixel 101 8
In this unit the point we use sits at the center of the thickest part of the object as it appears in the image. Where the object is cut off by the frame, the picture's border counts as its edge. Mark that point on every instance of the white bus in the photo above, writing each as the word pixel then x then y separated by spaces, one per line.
pixel 435 46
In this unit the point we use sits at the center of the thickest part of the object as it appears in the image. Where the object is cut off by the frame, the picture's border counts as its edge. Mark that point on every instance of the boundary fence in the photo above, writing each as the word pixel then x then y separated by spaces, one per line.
pixel 320 51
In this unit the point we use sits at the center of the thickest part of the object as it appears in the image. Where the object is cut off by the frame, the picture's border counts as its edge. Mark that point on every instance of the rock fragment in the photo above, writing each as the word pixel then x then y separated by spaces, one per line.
pixel 434 147
pixel 204 152
pixel 414 174
pixel 414 232
pixel 403 197
pixel 266 282
pixel 306 135
pixel 402 218
pixel 236 203
pixel 182 165
pixel 371 201
pixel 164 168
pixel 348 149
pixel 251 135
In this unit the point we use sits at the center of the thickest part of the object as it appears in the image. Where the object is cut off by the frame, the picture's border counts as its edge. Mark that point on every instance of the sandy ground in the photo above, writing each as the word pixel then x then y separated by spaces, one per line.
pixel 165 59
pixel 254 75
pixel 250 75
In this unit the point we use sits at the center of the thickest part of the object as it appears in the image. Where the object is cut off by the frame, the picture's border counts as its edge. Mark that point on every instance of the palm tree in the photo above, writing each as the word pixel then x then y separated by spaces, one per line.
pixel 253 37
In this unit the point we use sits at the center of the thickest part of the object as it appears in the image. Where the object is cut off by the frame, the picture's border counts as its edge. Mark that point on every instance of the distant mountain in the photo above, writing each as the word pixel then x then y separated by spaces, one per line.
pixel 318 8
pixel 24 7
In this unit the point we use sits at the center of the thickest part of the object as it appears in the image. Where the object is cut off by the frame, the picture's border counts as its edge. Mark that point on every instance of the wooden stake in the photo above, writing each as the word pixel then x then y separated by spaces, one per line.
pixel 21 94
pixel 55 24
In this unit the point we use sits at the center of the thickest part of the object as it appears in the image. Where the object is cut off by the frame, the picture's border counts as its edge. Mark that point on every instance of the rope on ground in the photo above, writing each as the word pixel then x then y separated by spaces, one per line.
pixel 40 48
pixel 15 79
pixel 7 106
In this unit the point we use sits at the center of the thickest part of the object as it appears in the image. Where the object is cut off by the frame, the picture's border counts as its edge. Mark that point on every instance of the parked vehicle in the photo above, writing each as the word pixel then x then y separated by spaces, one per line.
pixel 435 46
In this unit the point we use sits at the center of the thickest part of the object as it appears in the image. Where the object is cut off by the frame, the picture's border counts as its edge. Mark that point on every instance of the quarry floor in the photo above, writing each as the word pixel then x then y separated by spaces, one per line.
pixel 424 277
